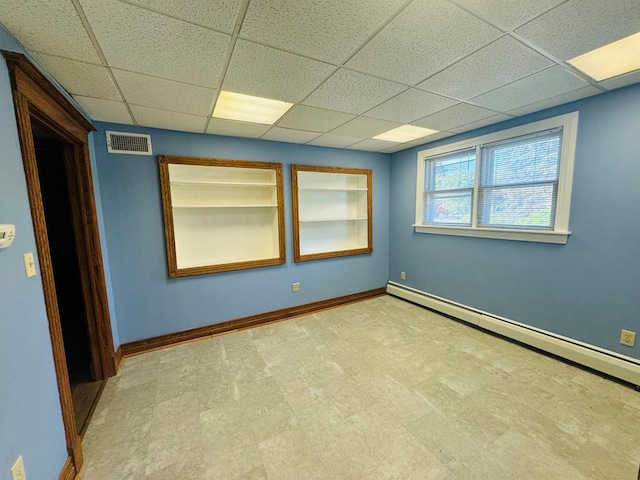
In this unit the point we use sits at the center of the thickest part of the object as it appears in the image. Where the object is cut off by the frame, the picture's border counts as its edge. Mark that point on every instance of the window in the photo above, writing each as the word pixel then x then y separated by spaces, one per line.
pixel 450 188
pixel 514 184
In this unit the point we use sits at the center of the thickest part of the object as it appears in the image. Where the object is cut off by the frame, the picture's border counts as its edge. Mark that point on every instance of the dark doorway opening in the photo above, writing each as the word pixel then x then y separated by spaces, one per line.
pixel 52 158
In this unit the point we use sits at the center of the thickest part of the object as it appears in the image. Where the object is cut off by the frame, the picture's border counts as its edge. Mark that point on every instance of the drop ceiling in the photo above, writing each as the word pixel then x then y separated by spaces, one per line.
pixel 352 68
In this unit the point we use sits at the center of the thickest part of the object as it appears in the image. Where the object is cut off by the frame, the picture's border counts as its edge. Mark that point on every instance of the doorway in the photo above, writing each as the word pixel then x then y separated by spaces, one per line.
pixel 53 178
pixel 47 119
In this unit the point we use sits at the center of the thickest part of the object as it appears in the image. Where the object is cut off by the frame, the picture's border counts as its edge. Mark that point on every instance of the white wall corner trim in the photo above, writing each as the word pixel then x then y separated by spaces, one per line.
pixel 605 361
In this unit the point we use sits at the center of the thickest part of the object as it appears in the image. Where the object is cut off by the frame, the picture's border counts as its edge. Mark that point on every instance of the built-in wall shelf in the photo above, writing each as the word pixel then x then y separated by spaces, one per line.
pixel 221 215
pixel 332 211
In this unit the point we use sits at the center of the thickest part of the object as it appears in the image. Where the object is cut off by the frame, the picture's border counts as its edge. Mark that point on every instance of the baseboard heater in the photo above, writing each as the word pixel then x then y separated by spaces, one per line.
pixel 605 361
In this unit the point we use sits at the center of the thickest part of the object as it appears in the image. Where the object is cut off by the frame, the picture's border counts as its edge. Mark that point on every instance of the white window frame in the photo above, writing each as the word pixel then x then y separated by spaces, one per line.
pixel 560 232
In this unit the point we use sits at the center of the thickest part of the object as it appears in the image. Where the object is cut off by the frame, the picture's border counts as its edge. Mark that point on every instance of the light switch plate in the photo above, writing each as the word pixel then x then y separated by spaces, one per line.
pixel 29 265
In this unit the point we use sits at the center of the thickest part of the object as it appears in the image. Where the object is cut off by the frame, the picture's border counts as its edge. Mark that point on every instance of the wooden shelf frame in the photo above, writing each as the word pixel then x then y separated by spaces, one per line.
pixel 351 184
pixel 176 211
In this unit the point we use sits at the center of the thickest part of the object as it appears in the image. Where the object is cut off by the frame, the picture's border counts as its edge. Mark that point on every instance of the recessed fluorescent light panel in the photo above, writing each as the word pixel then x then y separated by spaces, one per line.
pixel 246 108
pixel 611 60
pixel 405 133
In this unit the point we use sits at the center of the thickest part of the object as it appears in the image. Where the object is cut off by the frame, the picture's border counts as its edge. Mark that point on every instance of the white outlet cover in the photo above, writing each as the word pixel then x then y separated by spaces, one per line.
pixel 17 471
pixel 29 265
pixel 628 338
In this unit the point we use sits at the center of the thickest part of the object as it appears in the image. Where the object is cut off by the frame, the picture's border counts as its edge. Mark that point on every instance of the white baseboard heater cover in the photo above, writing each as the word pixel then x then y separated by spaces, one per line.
pixel 605 361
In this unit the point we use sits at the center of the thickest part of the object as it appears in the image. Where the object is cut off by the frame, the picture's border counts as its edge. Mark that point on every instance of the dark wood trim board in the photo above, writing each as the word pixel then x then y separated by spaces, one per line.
pixel 162 341
pixel 38 101
pixel 68 471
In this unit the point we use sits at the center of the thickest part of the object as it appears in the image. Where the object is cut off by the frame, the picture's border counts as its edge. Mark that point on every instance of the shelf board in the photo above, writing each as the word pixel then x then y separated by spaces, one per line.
pixel 336 189
pixel 334 219
pixel 225 206
pixel 222 184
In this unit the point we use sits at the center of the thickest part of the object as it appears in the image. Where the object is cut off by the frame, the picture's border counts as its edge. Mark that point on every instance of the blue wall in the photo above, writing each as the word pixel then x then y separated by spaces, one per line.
pixel 148 303
pixel 30 415
pixel 588 289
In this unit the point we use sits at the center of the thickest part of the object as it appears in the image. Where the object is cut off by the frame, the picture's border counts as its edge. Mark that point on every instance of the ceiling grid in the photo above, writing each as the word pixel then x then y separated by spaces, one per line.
pixel 351 72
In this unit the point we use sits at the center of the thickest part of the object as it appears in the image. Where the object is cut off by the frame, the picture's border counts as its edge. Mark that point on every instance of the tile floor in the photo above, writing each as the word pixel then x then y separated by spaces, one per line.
pixel 380 389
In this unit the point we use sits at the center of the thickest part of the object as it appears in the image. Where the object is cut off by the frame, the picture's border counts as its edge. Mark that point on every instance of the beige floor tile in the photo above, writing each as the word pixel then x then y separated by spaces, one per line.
pixel 290 456
pixel 255 474
pixel 348 456
pixel 271 419
pixel 228 445
pixel 596 462
pixel 528 459
pixel 380 389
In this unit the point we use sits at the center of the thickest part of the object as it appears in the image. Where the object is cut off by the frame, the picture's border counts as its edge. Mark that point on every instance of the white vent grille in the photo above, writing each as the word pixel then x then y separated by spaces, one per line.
pixel 131 143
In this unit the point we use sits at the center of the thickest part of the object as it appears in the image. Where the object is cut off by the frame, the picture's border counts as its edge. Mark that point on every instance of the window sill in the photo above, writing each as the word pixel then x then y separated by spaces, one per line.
pixel 542 236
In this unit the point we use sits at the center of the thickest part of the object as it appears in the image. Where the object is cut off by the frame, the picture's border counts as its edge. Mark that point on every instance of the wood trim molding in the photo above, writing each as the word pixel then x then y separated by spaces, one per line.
pixel 37 100
pixel 298 256
pixel 117 356
pixel 163 341
pixel 21 62
pixel 68 471
pixel 168 214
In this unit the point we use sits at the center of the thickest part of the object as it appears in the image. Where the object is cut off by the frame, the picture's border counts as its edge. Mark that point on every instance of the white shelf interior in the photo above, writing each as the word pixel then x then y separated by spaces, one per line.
pixel 331 181
pixel 179 173
pixel 323 237
pixel 337 204
pixel 223 214
pixel 332 212
pixel 205 237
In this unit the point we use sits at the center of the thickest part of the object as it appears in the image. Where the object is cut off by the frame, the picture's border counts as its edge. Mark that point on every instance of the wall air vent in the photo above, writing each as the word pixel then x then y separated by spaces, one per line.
pixel 131 143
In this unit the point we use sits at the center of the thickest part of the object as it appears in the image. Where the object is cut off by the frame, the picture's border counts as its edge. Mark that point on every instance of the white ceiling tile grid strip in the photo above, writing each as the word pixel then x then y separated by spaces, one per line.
pixel 352 72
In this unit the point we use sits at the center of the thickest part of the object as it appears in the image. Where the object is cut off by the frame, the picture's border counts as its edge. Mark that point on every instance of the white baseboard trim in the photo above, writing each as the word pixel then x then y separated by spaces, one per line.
pixel 606 361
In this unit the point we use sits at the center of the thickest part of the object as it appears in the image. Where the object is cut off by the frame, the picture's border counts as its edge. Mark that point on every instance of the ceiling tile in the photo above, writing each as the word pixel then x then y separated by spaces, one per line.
pixel 314 119
pixel 508 14
pixel 396 148
pixel 49 27
pixel 425 38
pixel 409 106
pixel 330 30
pixel 558 100
pixel 460 114
pixel 164 94
pixel 579 26
pixel 429 139
pixel 105 110
pixel 153 117
pixel 79 78
pixel 372 145
pixel 364 127
pixel 288 135
pixel 336 141
pixel 219 126
pixel 539 86
pixel 136 39
pixel 352 92
pixel 266 72
pixel 621 80
pixel 217 14
pixel 497 64
pixel 481 123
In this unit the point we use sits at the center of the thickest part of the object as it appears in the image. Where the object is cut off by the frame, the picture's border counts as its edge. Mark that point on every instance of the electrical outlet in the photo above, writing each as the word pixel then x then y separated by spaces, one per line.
pixel 403 276
pixel 295 287
pixel 17 471
pixel 627 337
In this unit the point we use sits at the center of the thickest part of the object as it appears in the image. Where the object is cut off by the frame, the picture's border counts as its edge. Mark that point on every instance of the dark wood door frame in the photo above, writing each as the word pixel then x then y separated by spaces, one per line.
pixel 37 100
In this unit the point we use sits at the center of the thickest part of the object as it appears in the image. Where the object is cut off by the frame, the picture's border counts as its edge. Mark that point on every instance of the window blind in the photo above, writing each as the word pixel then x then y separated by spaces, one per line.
pixel 518 182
